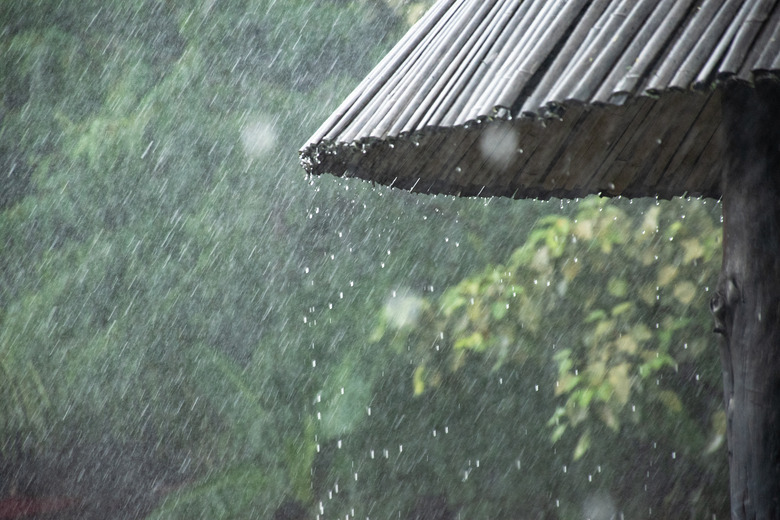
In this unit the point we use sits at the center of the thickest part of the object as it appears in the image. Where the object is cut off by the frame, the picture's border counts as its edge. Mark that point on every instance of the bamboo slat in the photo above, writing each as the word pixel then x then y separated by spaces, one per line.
pixel 618 97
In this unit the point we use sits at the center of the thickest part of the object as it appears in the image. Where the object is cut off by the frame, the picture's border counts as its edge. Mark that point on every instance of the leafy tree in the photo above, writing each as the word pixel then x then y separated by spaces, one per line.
pixel 608 314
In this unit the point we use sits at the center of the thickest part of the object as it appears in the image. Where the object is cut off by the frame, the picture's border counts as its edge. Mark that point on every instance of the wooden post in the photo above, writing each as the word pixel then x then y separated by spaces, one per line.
pixel 746 305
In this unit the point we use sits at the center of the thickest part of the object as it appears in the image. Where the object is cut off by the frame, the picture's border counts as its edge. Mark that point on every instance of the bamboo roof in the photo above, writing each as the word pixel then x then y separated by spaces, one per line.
pixel 552 98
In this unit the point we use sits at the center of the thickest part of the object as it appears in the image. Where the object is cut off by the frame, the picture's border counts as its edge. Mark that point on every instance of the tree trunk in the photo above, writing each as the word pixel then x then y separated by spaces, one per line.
pixel 746 304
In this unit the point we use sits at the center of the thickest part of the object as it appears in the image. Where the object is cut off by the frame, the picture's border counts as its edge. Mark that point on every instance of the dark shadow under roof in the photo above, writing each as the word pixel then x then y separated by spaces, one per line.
pixel 541 98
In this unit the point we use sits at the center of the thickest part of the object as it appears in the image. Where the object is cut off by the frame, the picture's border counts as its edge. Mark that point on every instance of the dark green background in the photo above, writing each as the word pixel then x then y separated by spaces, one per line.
pixel 190 328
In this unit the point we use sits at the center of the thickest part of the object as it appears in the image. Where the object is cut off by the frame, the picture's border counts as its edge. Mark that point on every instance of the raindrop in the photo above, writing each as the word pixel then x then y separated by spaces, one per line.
pixel 143 155
pixel 498 145
pixel 258 138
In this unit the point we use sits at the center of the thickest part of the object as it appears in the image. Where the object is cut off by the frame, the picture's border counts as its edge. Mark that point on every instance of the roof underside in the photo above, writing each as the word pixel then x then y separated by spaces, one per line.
pixel 542 98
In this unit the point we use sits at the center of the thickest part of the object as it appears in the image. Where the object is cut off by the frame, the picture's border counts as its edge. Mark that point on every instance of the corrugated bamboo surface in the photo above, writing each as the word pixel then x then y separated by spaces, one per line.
pixel 552 98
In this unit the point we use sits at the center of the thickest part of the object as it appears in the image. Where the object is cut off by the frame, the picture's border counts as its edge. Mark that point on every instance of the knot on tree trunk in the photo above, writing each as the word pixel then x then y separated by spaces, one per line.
pixel 722 305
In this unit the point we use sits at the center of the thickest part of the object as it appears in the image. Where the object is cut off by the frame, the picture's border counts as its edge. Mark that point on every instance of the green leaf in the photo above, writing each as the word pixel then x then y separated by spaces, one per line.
pixel 583 397
pixel 558 432
pixel 582 445
pixel 379 331
pixel 418 380
pixel 617 287
pixel 622 308
pixel 620 381
pixel 499 309
pixel 567 383
pixel 685 292
pixel 563 358
pixel 475 341
pixel 671 400
pixel 596 315
pixel 451 301
pixel 655 363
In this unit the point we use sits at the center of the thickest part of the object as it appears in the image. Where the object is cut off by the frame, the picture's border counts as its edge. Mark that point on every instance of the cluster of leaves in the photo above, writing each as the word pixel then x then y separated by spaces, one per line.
pixel 607 307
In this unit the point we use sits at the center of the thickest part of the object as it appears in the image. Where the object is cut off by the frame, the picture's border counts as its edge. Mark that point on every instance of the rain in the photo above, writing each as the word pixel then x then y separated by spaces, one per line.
pixel 192 327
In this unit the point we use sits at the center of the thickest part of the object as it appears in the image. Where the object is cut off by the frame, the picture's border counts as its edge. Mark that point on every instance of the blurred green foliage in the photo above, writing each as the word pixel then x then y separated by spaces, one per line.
pixel 606 307
pixel 175 291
